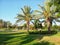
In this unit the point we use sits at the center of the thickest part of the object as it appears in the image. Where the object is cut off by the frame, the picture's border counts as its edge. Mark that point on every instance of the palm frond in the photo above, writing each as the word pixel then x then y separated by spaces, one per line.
pixel 19 20
pixel 38 16
pixel 57 20
pixel 23 11
pixel 57 15
pixel 54 22
pixel 31 12
pixel 41 7
pixel 38 11
pixel 20 16
pixel 27 9
pixel 32 22
pixel 43 21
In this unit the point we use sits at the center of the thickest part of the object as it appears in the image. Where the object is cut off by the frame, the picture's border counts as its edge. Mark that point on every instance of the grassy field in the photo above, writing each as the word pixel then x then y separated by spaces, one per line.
pixel 22 38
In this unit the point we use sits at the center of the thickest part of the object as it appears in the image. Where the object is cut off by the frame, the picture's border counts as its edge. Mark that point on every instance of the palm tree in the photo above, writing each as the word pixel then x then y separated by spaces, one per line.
pixel 37 24
pixel 48 14
pixel 26 16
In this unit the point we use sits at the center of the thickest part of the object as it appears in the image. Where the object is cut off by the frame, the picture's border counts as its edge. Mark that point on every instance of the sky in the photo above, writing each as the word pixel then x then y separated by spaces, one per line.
pixel 10 8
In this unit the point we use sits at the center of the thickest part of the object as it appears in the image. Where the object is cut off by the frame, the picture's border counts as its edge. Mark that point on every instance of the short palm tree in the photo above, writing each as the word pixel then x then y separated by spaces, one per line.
pixel 37 24
pixel 26 16
pixel 48 14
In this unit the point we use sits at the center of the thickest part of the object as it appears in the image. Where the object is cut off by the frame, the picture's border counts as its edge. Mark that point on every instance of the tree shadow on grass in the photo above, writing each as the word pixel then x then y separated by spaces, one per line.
pixel 32 36
pixel 44 43
pixel 26 39
pixel 29 38
pixel 6 37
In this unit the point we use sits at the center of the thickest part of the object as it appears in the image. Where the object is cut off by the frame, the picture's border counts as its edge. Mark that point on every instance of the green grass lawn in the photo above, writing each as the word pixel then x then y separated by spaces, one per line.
pixel 22 38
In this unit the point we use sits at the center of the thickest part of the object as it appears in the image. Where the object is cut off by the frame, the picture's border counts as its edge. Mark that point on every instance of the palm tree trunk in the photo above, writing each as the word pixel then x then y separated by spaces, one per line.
pixel 49 24
pixel 28 26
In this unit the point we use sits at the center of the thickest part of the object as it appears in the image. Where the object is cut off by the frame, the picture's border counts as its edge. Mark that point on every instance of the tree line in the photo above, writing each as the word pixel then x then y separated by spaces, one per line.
pixel 50 14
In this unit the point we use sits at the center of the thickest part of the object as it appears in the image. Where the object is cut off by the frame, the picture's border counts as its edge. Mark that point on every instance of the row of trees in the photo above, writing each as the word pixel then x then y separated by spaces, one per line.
pixel 4 24
pixel 49 14
pixel 7 24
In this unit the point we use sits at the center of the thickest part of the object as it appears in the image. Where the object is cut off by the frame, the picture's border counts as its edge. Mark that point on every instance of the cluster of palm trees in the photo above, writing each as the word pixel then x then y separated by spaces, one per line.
pixel 50 13
pixel 47 14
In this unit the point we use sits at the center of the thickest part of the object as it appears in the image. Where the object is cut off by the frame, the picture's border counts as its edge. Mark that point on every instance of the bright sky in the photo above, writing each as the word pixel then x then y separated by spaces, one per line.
pixel 10 8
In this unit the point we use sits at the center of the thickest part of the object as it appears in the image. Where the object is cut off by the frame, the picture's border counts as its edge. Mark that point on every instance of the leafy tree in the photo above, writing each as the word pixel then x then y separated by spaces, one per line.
pixel 55 3
pixel 26 16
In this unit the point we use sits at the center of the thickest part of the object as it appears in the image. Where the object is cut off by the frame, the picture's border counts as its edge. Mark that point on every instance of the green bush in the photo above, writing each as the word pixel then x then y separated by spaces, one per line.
pixel 43 32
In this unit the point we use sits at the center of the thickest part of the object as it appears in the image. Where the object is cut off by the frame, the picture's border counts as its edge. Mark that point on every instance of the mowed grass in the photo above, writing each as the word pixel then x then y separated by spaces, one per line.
pixel 23 38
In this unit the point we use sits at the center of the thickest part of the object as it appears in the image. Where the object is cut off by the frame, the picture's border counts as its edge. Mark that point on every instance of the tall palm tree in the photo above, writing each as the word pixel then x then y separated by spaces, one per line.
pixel 48 14
pixel 26 16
